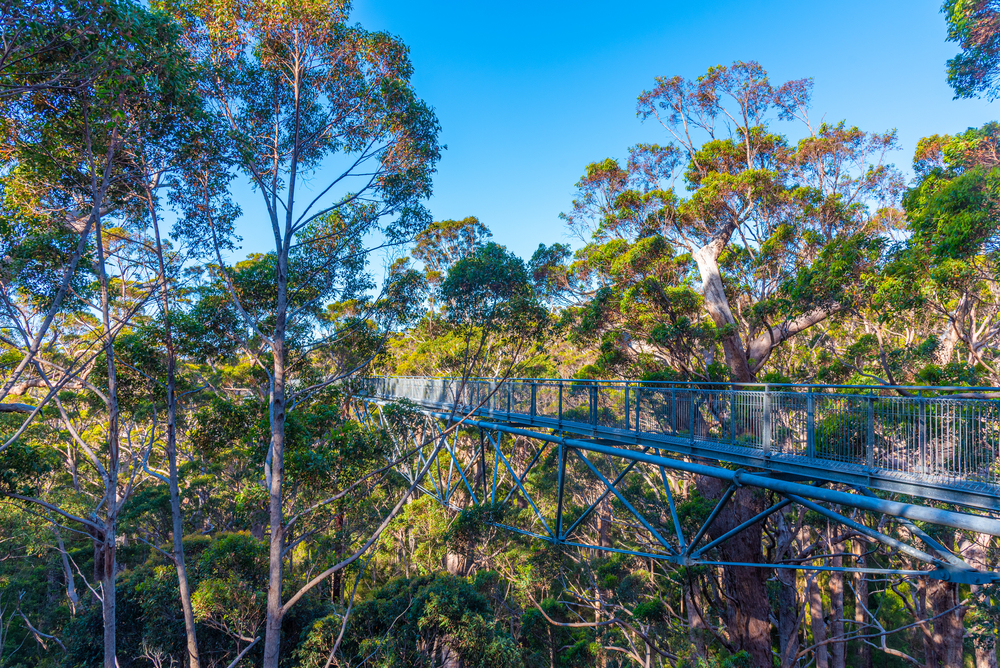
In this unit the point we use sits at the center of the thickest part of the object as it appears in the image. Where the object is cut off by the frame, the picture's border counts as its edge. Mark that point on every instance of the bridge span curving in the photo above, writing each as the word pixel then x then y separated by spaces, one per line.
pixel 914 455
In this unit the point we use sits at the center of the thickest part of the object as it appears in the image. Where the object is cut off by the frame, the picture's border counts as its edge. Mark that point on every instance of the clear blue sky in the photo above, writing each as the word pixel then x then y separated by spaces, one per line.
pixel 528 93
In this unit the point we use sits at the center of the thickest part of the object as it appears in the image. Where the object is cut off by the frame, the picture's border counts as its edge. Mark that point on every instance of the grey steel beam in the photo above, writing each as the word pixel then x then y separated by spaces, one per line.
pixel 867 531
pixel 527 496
pixel 893 508
pixel 527 470
pixel 746 525
pixel 938 548
pixel 673 507
pixel 625 502
pixel 604 495
pixel 723 502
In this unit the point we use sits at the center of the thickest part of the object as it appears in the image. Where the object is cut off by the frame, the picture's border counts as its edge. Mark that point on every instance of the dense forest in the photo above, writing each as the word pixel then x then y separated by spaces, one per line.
pixel 183 474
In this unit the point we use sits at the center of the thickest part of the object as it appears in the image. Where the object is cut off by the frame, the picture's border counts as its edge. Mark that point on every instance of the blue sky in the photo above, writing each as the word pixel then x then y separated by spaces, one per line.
pixel 528 93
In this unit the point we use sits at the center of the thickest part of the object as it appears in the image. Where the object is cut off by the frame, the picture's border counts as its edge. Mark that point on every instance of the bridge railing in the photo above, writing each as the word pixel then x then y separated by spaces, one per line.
pixel 940 433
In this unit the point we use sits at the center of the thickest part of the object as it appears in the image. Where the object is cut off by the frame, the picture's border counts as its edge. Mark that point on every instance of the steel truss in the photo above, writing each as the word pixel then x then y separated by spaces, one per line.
pixel 525 475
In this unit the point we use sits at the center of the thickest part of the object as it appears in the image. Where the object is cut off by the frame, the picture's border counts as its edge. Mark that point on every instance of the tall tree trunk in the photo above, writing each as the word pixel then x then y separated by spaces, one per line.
pixel 272 630
pixel 945 647
pixel 788 595
pixel 788 616
pixel 112 502
pixel 861 620
pixel 109 601
pixel 838 649
pixel 817 623
pixel 748 610
pixel 976 554
pixel 696 623
pixel 604 523
pixel 177 518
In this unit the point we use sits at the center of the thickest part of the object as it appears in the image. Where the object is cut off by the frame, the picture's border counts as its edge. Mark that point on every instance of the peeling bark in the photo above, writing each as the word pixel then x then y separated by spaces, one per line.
pixel 717 305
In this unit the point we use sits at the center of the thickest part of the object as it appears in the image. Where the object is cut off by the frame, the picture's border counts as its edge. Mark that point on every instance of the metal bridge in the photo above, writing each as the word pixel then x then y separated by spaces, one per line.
pixel 899 454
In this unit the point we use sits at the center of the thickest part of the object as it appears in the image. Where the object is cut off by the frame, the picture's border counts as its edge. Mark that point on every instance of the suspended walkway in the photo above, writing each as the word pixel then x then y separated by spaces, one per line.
pixel 918 447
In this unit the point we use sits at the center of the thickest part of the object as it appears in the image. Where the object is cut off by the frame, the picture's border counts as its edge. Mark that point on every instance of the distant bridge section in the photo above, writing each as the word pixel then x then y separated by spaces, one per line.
pixel 935 443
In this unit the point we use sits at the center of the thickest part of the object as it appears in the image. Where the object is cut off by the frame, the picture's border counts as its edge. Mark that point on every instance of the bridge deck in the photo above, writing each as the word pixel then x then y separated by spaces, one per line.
pixel 943 448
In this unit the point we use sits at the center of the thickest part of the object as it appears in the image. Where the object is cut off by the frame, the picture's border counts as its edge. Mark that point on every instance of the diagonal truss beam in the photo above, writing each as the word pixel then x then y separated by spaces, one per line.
pixel 625 502
pixel 947 565
pixel 871 533
pixel 600 499
pixel 527 496
pixel 939 549
pixel 723 502
pixel 759 517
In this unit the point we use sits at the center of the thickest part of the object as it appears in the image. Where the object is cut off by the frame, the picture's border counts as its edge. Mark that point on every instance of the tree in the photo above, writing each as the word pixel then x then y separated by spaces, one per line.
pixel 444 243
pixel 945 273
pixel 74 167
pixel 975 25
pixel 778 234
pixel 297 89
pixel 490 302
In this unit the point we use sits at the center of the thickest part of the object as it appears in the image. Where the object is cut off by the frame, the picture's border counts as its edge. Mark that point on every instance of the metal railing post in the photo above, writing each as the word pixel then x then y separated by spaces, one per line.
pixel 534 399
pixel 627 416
pixel 691 414
pixel 767 421
pixel 922 431
pixel 638 408
pixel 593 403
pixel 673 411
pixel 732 415
pixel 870 450
pixel 560 402
pixel 810 425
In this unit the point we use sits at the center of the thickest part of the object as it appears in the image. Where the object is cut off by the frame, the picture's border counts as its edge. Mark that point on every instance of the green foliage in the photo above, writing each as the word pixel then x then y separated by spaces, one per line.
pixel 973 24
pixel 416 622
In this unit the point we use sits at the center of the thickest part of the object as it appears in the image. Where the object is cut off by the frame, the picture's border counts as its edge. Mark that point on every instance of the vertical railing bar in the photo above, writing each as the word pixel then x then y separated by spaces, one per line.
pixel 922 433
pixel 691 413
pixel 593 404
pixel 560 417
pixel 732 415
pixel 767 420
pixel 673 411
pixel 627 410
pixel 870 450
pixel 810 424
pixel 638 408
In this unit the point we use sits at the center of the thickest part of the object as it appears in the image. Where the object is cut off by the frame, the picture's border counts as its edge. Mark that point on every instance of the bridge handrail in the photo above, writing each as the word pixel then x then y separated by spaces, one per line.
pixel 918 437
pixel 699 383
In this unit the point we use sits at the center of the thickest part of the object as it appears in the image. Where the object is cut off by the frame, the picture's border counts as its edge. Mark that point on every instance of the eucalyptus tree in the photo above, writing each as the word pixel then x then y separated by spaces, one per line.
pixel 441 244
pixel 774 236
pixel 323 123
pixel 771 237
pixel 490 302
pixel 974 25
pixel 52 44
pixel 947 268
pixel 71 172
